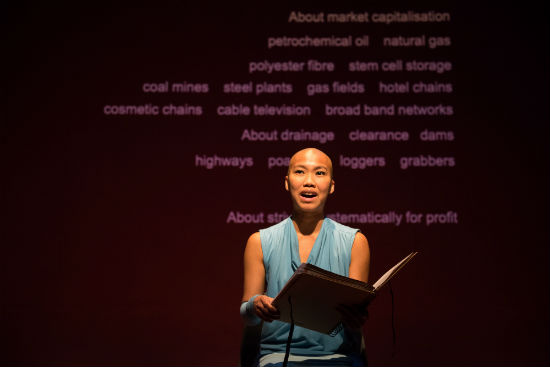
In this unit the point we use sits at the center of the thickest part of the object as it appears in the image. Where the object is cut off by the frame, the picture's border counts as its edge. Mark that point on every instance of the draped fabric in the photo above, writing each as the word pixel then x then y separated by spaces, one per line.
pixel 331 251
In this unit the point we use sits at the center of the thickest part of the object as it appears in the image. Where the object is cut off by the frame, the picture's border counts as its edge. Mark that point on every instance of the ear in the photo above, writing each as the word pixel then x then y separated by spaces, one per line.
pixel 286 183
pixel 331 190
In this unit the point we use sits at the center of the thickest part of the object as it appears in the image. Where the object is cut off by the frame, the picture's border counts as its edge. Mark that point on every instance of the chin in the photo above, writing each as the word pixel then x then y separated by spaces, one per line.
pixel 309 208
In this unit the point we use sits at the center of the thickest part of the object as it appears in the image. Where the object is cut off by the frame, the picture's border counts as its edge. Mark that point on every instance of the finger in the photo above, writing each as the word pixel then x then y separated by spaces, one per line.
pixel 261 311
pixel 266 301
pixel 271 309
pixel 262 314
pixel 265 312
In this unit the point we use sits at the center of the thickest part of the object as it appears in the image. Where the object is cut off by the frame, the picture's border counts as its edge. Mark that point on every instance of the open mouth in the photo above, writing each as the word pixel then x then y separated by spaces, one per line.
pixel 308 195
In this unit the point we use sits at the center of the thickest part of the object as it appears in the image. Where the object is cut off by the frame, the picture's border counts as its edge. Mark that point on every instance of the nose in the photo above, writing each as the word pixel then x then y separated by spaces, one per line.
pixel 309 182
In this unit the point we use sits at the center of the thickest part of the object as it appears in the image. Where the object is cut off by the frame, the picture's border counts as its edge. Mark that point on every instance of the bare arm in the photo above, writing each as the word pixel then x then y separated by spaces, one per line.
pixel 254 271
pixel 254 280
pixel 360 258
pixel 354 316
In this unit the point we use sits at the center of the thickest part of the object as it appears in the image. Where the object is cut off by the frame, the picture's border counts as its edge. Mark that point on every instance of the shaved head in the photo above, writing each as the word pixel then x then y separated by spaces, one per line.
pixel 311 153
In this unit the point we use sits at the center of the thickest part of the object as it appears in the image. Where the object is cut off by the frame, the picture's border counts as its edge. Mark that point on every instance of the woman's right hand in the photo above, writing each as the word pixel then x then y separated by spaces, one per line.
pixel 264 309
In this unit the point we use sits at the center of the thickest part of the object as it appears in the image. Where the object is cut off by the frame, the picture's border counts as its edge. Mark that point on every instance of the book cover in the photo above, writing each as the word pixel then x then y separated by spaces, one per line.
pixel 314 294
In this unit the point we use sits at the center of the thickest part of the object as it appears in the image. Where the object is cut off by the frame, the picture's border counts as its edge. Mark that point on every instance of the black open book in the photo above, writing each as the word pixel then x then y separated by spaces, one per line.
pixel 315 293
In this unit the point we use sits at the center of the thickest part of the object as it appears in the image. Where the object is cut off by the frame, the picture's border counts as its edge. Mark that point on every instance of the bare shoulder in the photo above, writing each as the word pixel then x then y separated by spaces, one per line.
pixel 254 240
pixel 254 246
pixel 360 242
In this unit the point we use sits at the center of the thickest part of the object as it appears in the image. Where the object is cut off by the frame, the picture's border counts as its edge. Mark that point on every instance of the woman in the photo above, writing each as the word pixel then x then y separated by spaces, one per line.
pixel 273 254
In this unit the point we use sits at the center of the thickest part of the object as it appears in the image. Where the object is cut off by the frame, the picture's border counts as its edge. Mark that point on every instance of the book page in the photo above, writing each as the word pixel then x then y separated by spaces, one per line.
pixel 390 273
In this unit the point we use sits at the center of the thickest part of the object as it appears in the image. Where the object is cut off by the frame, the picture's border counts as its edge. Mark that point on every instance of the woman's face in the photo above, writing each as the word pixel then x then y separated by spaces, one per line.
pixel 309 180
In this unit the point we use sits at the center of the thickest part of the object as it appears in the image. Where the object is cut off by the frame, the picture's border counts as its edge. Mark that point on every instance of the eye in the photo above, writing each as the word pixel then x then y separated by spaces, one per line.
pixel 320 173
pixel 299 171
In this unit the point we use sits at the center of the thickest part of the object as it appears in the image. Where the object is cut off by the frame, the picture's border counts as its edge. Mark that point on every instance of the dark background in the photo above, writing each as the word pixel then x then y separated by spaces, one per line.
pixel 116 249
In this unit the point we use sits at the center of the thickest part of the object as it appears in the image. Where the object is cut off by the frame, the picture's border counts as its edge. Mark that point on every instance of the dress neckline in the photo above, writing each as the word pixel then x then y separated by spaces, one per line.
pixel 295 246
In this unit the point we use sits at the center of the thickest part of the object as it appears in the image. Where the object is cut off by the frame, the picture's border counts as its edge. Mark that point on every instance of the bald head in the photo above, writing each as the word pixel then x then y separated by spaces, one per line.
pixel 311 154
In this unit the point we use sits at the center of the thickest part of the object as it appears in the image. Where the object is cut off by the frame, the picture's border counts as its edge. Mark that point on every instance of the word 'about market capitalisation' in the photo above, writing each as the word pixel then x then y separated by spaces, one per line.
pixel 374 17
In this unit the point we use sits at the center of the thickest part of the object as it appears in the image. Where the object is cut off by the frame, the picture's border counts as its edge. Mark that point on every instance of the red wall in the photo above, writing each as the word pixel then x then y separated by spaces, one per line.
pixel 118 249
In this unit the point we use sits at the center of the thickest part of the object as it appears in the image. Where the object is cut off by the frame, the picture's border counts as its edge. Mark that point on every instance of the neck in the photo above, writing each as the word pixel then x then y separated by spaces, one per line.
pixel 307 223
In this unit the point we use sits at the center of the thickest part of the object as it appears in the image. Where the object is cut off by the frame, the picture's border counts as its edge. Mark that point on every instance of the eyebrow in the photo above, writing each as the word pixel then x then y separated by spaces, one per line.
pixel 315 168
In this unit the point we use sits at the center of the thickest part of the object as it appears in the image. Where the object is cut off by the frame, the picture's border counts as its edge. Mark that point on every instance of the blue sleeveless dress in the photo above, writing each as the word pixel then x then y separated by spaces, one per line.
pixel 331 251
